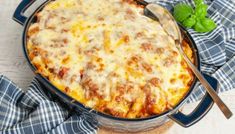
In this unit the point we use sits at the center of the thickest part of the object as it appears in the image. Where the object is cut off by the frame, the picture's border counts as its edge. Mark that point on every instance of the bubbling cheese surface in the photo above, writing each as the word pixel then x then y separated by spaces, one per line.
pixel 109 56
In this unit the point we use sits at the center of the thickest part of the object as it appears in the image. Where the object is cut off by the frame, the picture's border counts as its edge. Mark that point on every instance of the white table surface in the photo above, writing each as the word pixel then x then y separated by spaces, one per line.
pixel 14 66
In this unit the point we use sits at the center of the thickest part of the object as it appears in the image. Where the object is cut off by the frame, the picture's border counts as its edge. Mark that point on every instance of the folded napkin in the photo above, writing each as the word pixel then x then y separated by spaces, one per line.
pixel 36 111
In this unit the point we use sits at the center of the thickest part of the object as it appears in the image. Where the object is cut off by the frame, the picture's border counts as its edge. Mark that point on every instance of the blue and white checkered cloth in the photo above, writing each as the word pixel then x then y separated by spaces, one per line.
pixel 35 111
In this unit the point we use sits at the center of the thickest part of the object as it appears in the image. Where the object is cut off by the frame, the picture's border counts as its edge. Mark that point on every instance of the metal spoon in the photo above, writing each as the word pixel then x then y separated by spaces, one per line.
pixel 170 25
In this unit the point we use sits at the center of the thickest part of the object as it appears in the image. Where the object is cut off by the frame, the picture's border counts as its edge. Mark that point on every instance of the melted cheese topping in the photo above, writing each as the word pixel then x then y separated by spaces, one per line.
pixel 109 56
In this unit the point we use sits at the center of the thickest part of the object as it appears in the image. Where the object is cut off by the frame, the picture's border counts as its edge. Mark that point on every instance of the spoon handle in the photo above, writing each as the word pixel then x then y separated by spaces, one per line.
pixel 222 106
pixel 164 17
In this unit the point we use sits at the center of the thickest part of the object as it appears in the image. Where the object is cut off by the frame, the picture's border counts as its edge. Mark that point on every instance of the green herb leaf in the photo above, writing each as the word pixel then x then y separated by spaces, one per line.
pixel 198 2
pixel 205 25
pixel 201 11
pixel 190 22
pixel 182 12
pixel 209 24
pixel 199 27
pixel 194 18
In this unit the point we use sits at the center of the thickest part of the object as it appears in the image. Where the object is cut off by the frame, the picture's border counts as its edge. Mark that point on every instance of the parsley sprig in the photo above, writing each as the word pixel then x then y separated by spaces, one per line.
pixel 194 18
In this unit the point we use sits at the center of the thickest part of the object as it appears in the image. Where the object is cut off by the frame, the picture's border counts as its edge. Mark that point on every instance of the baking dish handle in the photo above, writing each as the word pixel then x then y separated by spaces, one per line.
pixel 201 110
pixel 19 12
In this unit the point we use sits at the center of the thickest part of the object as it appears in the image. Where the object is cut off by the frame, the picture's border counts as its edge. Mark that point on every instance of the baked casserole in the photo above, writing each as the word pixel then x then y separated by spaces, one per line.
pixel 110 57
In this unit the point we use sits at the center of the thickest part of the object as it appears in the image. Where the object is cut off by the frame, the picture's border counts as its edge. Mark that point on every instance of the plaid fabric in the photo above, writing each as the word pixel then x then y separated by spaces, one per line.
pixel 35 111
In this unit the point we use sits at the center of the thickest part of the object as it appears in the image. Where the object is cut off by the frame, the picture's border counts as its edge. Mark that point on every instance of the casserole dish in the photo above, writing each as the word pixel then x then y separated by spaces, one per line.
pixel 117 123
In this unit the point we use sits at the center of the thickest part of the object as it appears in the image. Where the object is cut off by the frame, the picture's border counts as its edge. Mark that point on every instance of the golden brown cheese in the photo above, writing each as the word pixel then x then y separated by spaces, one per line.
pixel 107 55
